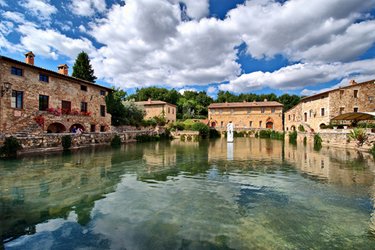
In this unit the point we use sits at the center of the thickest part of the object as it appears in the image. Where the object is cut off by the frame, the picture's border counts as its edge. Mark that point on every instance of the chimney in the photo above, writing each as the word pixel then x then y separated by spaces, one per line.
pixel 29 58
pixel 265 100
pixel 63 69
pixel 352 82
pixel 244 101
pixel 149 100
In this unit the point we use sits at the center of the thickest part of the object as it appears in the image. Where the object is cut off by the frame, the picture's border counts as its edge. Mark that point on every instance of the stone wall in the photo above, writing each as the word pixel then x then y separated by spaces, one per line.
pixel 337 138
pixel 243 119
pixel 52 142
pixel 58 88
pixel 293 118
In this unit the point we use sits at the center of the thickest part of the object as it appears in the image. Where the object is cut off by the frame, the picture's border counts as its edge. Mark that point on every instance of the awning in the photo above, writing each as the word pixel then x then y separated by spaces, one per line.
pixel 355 116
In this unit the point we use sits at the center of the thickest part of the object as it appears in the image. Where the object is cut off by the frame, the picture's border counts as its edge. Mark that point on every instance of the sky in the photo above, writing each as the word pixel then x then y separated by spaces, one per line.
pixel 243 46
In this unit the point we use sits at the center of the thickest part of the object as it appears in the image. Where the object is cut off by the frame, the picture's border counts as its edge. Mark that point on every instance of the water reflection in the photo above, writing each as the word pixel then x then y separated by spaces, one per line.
pixel 195 194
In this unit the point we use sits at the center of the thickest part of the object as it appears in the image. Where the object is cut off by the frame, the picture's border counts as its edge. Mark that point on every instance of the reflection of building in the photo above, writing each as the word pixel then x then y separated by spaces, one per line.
pixel 159 108
pixel 246 115
pixel 36 99
pixel 36 190
pixel 318 110
pixel 327 164
pixel 247 149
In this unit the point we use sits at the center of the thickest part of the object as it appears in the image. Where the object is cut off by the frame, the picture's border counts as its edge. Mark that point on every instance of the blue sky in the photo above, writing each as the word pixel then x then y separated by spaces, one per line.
pixel 261 46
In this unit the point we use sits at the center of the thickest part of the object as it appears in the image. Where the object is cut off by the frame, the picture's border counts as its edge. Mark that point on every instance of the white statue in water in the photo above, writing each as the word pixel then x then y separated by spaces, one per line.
pixel 230 128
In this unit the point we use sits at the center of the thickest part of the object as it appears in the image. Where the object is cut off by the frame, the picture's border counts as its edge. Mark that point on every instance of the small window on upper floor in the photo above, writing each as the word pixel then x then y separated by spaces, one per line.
pixel 355 110
pixel 43 78
pixel 288 117
pixel 102 92
pixel 341 93
pixel 83 87
pixel 322 111
pixel 356 93
pixel 102 110
pixel 16 71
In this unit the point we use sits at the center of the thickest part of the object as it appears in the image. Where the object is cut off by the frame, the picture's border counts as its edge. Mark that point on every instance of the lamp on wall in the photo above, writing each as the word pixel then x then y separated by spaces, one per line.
pixel 5 88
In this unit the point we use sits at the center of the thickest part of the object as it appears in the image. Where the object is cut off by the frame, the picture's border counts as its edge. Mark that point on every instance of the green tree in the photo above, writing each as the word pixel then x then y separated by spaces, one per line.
pixel 82 68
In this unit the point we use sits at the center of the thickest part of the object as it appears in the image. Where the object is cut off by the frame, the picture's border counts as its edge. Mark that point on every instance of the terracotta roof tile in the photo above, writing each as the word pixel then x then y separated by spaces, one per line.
pixel 245 104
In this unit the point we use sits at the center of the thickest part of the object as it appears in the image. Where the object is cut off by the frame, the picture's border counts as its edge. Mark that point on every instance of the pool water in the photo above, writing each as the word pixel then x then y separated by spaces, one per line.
pixel 252 194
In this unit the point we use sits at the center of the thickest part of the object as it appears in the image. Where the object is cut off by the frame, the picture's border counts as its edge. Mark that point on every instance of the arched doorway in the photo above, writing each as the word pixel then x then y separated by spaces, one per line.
pixel 77 125
pixel 56 128
pixel 293 128
pixel 322 126
pixel 269 123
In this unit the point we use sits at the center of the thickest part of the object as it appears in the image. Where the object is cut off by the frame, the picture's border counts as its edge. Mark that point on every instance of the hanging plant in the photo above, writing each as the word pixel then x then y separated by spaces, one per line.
pixel 39 120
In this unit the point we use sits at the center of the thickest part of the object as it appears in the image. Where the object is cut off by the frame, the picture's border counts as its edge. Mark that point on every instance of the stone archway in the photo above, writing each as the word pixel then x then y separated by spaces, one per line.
pixel 56 127
pixel 322 125
pixel 77 125
pixel 293 128
pixel 269 123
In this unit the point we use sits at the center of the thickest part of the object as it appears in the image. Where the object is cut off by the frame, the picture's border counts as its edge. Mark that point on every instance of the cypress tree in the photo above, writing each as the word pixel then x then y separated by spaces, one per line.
pixel 82 68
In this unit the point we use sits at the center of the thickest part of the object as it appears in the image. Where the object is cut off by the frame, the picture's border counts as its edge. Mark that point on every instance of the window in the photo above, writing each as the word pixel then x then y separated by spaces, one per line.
pixel 102 110
pixel 17 99
pixel 221 124
pixel 273 110
pixel 294 117
pixel 310 112
pixel 260 124
pixel 356 109
pixel 92 128
pixel 102 128
pixel 169 110
pixel 172 110
pixel 231 111
pixel 83 87
pixel 305 117
pixel 341 93
pixel 322 111
pixel 16 71
pixel 250 124
pixel 356 93
pixel 342 110
pixel 66 107
pixel 262 110
pixel 249 111
pixel 83 106
pixel 43 78
pixel 289 117
pixel 43 102
pixel 102 92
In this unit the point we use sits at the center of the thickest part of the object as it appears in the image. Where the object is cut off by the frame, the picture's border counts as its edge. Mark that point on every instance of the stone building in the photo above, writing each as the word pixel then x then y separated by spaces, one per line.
pixel 246 115
pixel 37 100
pixel 315 111
pixel 159 108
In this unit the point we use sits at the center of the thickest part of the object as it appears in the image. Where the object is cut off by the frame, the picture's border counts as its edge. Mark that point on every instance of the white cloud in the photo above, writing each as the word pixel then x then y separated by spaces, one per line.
pixel 82 28
pixel 182 91
pixel 3 3
pixel 150 45
pixel 41 9
pixel 87 7
pixel 196 9
pixel 14 16
pixel 211 90
pixel 304 30
pixel 301 75
pixel 51 43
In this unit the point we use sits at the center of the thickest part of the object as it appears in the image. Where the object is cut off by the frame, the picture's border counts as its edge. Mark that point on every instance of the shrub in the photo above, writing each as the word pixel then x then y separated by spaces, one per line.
pixel 293 137
pixel 214 133
pixel 301 128
pixel 360 135
pixel 203 129
pixel 256 134
pixel 317 142
pixel 116 141
pixel 265 133
pixel 10 147
pixel 66 142
pixel 277 135
pixel 304 140
pixel 177 126
pixel 366 125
